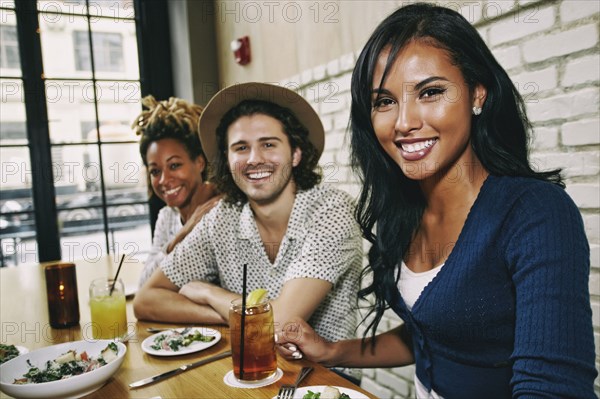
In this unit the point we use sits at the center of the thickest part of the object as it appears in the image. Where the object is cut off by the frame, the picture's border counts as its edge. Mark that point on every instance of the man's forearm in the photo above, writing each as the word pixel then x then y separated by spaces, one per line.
pixel 160 304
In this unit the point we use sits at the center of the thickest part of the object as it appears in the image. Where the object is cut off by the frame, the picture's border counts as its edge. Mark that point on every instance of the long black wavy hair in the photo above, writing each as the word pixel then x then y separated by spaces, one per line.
pixel 390 205
pixel 306 174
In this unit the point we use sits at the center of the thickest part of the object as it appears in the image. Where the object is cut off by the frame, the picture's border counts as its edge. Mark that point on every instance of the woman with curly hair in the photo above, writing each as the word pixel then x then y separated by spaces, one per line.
pixel 484 258
pixel 171 151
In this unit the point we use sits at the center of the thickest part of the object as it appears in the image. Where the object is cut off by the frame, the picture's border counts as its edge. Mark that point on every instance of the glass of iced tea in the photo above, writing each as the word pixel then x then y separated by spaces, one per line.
pixel 260 361
pixel 109 317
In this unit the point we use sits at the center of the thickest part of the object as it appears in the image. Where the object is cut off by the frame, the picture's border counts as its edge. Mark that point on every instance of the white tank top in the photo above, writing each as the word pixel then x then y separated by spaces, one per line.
pixel 411 285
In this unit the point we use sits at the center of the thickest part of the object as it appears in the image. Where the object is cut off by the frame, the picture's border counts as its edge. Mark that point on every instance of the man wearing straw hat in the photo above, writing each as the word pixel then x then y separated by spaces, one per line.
pixel 298 238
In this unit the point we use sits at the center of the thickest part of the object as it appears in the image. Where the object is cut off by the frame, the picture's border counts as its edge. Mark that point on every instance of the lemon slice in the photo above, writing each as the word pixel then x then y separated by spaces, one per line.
pixel 256 297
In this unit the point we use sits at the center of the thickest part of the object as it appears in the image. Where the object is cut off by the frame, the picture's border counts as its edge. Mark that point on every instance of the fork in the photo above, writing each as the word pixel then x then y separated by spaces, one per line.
pixel 287 391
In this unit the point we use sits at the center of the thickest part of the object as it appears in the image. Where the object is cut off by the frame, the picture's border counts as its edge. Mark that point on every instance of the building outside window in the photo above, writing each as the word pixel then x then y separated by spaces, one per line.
pixel 9 47
pixel 108 51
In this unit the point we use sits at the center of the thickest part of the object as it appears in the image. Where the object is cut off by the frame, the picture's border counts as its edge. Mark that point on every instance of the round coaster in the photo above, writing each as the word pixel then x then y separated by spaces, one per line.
pixel 230 380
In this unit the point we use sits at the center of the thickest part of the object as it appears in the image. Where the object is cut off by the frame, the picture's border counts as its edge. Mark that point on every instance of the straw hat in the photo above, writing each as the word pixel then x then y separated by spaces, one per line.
pixel 231 96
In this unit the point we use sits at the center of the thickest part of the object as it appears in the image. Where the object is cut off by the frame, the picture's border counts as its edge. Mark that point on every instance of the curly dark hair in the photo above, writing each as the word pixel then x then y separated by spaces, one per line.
pixel 306 175
pixel 174 119
pixel 390 205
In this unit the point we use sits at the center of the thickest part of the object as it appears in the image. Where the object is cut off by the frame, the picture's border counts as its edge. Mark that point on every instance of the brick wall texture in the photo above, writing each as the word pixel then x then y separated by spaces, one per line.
pixel 550 49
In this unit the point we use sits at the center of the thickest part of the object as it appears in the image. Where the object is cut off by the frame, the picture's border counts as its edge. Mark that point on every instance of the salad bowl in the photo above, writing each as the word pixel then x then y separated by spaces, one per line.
pixel 71 387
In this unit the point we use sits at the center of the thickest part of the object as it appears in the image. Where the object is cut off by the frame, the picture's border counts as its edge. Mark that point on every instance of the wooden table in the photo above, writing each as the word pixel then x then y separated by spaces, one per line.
pixel 24 321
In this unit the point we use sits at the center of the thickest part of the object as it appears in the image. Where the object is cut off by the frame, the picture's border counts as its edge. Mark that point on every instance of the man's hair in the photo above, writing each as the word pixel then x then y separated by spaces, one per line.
pixel 306 174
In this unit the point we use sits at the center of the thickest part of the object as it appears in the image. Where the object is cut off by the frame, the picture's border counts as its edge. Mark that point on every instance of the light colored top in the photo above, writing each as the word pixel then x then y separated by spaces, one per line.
pixel 322 241
pixel 411 284
pixel 167 226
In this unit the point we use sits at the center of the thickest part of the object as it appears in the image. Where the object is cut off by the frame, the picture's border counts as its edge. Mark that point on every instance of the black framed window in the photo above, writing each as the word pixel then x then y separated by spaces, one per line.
pixel 73 184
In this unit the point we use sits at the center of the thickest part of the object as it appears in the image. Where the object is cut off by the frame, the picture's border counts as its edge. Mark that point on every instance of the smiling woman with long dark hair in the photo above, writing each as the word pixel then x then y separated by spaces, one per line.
pixel 484 258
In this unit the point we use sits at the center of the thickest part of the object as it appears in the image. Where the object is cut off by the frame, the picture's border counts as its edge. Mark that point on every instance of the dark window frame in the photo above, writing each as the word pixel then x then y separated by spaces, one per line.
pixel 155 78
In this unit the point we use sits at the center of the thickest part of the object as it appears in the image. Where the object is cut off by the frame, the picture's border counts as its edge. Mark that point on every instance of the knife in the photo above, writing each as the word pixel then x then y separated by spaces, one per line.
pixel 176 371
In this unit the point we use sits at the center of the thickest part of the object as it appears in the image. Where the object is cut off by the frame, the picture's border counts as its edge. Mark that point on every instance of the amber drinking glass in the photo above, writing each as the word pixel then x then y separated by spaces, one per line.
pixel 260 360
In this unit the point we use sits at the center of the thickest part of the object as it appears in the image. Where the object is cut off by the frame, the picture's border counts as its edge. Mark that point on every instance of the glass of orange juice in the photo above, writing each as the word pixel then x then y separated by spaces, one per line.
pixel 109 318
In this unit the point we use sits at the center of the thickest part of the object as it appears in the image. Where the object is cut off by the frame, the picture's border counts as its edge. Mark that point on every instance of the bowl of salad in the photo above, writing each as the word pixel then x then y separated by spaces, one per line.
pixel 68 370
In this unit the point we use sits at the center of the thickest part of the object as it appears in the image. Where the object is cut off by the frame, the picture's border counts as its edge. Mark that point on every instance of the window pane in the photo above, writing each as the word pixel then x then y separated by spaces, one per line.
pixel 10 63
pixel 7 3
pixel 108 51
pixel 16 171
pixel 124 174
pixel 64 6
pixel 71 112
pixel 76 173
pixel 112 8
pixel 130 231
pixel 60 48
pixel 119 103
pixel 17 223
pixel 115 49
pixel 82 233
pixel 12 113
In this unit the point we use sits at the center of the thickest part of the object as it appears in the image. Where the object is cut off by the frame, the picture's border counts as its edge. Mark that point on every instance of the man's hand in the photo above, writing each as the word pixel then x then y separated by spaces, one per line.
pixel 203 293
pixel 198 291
pixel 158 299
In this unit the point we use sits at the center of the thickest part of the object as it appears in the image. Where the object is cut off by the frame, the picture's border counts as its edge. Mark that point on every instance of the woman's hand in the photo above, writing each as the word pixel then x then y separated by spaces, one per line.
pixel 297 339
pixel 189 225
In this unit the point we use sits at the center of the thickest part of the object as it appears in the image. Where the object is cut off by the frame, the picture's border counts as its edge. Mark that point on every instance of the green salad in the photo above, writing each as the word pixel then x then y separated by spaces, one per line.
pixel 328 393
pixel 68 365
pixel 175 341
pixel 8 352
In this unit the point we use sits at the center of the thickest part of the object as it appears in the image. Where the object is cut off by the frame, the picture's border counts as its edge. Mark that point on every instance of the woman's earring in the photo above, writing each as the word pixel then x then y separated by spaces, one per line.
pixel 476 110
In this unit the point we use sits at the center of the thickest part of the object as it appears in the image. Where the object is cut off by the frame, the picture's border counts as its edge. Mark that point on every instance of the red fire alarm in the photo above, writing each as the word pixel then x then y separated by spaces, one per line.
pixel 241 50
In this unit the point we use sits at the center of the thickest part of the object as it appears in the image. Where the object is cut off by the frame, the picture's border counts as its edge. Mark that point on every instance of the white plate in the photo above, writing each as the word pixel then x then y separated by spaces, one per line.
pixel 300 392
pixel 195 346
pixel 73 387
pixel 22 350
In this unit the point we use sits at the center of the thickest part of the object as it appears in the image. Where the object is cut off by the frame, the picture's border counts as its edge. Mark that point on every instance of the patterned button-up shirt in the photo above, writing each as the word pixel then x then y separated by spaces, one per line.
pixel 322 241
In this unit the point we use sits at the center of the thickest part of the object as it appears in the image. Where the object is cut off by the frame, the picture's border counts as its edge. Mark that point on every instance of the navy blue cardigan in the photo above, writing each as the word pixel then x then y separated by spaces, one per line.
pixel 509 313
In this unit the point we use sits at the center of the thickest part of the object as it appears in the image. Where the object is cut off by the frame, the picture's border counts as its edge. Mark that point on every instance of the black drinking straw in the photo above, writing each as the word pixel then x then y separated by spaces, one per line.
pixel 116 275
pixel 243 321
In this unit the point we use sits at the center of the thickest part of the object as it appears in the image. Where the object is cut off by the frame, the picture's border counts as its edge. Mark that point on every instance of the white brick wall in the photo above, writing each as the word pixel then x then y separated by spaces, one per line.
pixel 582 70
pixel 573 10
pixel 560 43
pixel 522 25
pixel 581 132
pixel 551 53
